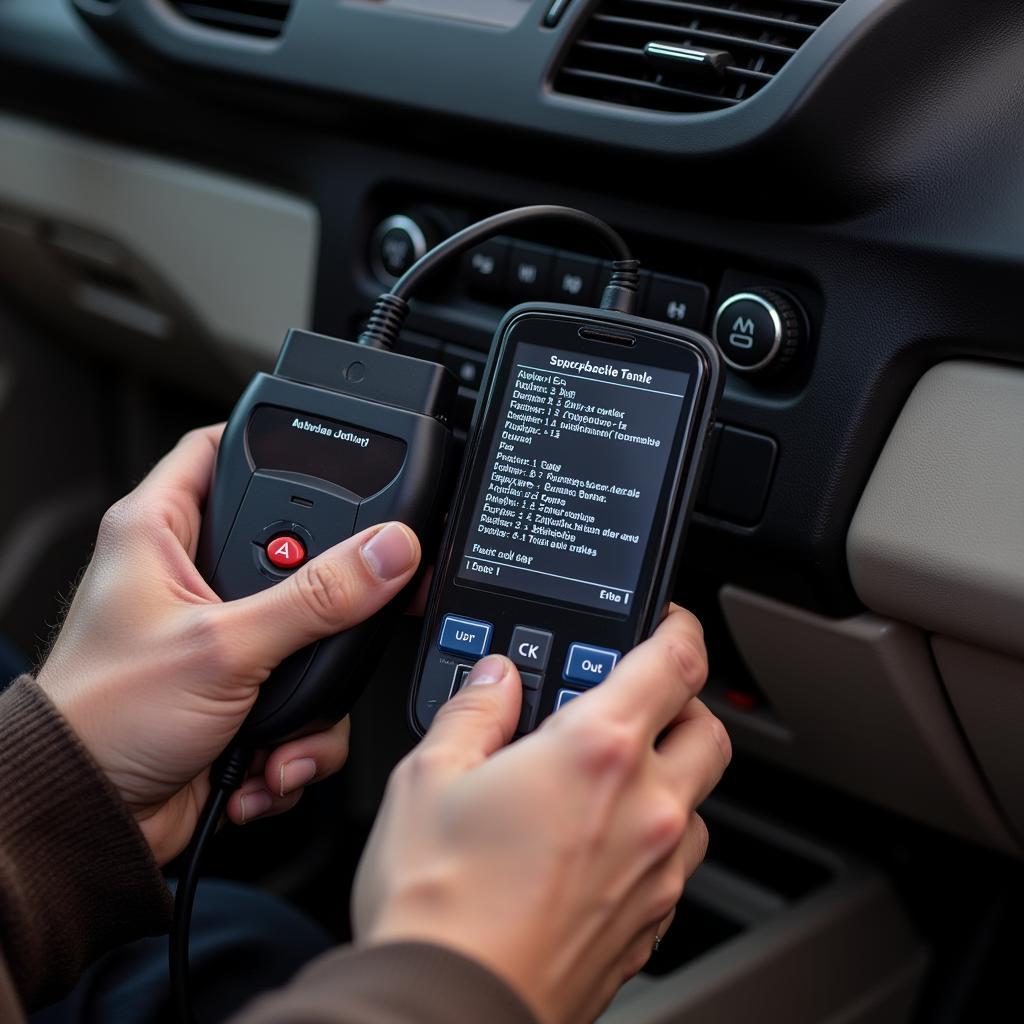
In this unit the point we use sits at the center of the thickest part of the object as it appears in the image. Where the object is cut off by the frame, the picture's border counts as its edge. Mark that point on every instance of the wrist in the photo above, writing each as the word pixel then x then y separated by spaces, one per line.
pixel 501 959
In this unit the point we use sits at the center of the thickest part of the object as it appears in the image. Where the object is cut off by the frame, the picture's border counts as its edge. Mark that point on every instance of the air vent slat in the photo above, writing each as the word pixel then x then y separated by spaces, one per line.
pixel 263 18
pixel 747 17
pixel 699 35
pixel 612 59
pixel 648 87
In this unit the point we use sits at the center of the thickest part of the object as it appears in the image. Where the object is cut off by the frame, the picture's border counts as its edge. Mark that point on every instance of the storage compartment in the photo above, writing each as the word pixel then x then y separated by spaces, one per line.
pixel 775 929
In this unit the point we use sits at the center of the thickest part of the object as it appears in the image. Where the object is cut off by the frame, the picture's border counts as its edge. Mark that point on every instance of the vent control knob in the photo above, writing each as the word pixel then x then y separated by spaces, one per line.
pixel 759 330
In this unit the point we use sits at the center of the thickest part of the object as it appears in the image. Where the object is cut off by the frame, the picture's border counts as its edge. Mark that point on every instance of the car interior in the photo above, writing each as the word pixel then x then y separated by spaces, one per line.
pixel 829 189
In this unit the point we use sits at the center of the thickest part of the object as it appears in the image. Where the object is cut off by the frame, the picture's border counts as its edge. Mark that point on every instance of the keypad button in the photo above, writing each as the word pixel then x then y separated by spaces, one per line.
pixel 531 680
pixel 586 664
pixel 564 696
pixel 528 710
pixel 459 678
pixel 465 636
pixel 286 551
pixel 530 648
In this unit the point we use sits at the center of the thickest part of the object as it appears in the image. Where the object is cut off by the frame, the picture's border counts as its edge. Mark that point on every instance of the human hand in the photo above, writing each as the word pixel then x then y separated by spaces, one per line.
pixel 156 674
pixel 555 861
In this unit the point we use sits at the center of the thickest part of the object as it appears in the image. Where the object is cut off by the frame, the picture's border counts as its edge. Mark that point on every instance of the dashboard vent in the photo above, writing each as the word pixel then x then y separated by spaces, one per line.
pixel 686 57
pixel 264 18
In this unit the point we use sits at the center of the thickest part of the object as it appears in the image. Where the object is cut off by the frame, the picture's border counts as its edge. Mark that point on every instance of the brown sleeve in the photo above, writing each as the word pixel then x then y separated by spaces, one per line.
pixel 399 983
pixel 76 875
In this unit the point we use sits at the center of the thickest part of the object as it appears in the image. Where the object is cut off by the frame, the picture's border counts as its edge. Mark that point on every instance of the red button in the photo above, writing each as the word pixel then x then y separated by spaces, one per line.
pixel 286 551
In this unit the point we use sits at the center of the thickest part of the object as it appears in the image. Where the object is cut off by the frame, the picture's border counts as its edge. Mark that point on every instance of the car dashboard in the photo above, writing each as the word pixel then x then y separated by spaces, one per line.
pixel 182 181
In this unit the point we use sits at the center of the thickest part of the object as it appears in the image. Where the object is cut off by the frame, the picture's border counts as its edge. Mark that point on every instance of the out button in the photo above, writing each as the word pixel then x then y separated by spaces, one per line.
pixel 586 664
pixel 286 551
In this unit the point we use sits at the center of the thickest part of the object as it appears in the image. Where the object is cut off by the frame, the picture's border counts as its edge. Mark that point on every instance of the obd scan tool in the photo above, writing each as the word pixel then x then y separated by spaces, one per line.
pixel 341 436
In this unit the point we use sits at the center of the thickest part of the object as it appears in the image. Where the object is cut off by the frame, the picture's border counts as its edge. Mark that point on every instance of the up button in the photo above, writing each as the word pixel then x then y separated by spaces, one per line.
pixel 465 636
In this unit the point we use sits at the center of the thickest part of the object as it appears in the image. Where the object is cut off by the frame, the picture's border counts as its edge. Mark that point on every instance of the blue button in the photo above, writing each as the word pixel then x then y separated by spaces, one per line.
pixel 465 636
pixel 587 664
pixel 564 696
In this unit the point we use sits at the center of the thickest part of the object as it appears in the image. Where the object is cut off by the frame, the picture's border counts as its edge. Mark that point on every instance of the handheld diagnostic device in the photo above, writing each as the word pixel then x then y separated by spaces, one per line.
pixel 338 438
pixel 570 514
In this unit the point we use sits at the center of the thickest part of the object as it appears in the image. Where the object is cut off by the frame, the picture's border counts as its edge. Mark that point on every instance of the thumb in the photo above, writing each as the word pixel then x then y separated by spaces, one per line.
pixel 335 591
pixel 482 717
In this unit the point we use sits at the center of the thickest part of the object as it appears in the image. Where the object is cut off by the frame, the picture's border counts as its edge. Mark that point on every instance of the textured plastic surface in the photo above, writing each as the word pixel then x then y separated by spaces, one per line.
pixel 938 538
pixel 844 952
pixel 857 703
pixel 987 691
pixel 211 236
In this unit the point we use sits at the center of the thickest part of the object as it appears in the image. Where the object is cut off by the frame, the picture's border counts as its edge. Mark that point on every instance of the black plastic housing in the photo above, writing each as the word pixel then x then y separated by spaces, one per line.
pixel 292 461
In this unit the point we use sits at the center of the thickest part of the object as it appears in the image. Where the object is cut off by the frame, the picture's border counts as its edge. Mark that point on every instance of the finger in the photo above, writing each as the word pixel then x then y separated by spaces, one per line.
pixel 184 475
pixel 695 753
pixel 336 590
pixel 254 800
pixel 657 679
pixel 307 760
pixel 482 717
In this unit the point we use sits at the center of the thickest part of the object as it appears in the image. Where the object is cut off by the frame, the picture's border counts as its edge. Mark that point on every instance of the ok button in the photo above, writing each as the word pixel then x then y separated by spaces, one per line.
pixel 586 664
pixel 530 648
pixel 465 636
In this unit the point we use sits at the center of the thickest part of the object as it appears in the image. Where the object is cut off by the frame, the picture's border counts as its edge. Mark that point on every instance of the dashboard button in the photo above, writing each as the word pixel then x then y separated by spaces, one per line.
pixel 466 364
pixel 555 12
pixel 586 664
pixel 675 301
pixel 529 271
pixel 575 279
pixel 485 267
pixel 530 648
pixel 739 475
pixel 465 636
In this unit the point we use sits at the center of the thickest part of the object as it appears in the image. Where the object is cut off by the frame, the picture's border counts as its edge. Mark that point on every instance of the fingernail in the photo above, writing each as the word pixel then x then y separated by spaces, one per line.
pixel 488 670
pixel 296 773
pixel 254 804
pixel 389 552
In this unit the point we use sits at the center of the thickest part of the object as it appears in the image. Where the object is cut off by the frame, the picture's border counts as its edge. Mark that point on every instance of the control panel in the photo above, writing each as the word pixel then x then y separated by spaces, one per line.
pixel 762 325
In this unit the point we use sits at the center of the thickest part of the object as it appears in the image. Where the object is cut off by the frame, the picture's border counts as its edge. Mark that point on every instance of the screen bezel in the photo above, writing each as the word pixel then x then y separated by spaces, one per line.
pixel 650 348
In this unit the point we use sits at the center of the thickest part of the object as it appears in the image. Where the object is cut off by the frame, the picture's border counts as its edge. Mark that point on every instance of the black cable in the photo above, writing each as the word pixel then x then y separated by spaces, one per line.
pixel 392 307
pixel 226 775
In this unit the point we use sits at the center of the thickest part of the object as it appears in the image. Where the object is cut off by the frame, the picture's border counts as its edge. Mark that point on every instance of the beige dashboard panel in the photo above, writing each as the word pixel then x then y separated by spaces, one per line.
pixel 938 536
pixel 241 256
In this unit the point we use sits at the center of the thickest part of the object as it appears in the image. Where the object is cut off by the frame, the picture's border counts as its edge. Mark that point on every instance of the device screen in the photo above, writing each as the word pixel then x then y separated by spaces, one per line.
pixel 573 475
